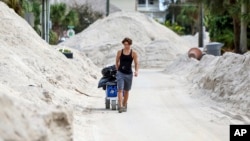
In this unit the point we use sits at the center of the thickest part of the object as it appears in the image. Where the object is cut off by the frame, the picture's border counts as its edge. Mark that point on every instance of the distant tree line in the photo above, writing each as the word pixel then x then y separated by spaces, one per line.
pixel 61 15
pixel 226 20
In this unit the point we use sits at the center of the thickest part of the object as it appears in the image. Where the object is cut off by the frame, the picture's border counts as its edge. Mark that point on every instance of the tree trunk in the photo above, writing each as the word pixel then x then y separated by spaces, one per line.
pixel 243 29
pixel 57 28
pixel 236 22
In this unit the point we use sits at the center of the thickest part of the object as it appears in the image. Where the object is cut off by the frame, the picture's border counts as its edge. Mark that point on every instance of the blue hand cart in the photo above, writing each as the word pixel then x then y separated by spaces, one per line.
pixel 111 95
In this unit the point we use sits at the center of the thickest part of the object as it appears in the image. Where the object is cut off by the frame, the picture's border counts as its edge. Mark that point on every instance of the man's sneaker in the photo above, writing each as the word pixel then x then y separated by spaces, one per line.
pixel 121 109
pixel 125 109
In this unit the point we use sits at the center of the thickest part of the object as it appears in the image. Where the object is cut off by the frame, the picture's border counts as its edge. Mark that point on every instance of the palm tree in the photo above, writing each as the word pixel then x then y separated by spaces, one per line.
pixel 61 19
pixel 189 16
pixel 57 14
pixel 227 6
pixel 234 11
pixel 71 19
pixel 200 20
pixel 240 19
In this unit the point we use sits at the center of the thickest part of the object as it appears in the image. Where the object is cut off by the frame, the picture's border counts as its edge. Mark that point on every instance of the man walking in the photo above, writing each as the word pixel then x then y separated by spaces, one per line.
pixel 124 75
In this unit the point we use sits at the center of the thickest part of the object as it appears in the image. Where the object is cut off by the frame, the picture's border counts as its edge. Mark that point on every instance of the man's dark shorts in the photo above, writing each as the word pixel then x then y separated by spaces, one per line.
pixel 124 81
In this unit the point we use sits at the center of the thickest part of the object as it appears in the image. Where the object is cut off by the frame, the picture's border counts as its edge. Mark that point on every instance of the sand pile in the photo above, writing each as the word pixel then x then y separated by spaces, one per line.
pixel 225 79
pixel 23 120
pixel 193 39
pixel 155 44
pixel 35 80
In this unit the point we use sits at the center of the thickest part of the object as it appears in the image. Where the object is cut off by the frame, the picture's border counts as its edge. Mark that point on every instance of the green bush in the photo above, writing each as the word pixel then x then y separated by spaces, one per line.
pixel 175 27
pixel 226 37
pixel 65 50
pixel 221 30
pixel 62 17
pixel 53 37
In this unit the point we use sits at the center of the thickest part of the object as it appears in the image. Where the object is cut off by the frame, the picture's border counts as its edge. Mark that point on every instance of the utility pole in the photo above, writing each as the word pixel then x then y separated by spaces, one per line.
pixel 107 7
pixel 201 33
pixel 45 19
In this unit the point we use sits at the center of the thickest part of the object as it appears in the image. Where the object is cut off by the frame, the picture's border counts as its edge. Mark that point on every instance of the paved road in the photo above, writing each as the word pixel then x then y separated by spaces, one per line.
pixel 160 108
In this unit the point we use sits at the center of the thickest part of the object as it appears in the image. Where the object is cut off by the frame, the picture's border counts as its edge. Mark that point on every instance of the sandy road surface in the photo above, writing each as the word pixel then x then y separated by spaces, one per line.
pixel 160 108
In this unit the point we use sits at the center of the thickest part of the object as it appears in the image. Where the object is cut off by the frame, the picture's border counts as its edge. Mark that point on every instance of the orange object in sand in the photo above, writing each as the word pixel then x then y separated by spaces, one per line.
pixel 195 53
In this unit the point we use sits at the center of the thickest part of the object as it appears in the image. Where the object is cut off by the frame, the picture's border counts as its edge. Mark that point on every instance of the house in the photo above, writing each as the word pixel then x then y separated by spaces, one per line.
pixel 96 5
pixel 153 8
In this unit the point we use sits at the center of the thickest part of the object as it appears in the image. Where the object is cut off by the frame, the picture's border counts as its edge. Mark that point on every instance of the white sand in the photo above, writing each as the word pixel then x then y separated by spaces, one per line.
pixel 102 40
pixel 193 39
pixel 161 107
pixel 38 84
pixel 224 79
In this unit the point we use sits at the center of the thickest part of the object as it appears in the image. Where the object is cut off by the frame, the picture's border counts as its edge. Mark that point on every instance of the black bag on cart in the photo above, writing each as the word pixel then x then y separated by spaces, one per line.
pixel 109 75
pixel 104 80
pixel 109 71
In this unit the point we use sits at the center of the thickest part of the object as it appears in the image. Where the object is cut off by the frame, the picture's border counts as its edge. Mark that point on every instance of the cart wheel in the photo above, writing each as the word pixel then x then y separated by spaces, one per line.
pixel 107 103
pixel 113 104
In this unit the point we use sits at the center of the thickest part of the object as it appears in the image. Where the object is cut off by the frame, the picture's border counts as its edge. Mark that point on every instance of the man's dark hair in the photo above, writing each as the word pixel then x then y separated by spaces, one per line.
pixel 128 40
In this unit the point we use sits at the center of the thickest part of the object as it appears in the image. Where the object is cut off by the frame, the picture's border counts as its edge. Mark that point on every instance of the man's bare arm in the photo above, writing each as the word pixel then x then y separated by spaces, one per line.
pixel 117 59
pixel 136 63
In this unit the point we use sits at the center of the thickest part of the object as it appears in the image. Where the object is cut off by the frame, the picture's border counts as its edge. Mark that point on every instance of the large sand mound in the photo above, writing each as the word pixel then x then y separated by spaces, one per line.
pixel 152 41
pixel 225 79
pixel 34 78
pixel 194 39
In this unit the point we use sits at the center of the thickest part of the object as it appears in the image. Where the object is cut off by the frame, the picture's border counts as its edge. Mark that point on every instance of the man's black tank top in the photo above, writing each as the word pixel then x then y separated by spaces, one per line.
pixel 126 63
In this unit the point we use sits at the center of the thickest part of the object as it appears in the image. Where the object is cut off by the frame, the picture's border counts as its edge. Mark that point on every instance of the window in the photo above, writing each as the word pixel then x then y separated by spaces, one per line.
pixel 151 2
pixel 142 1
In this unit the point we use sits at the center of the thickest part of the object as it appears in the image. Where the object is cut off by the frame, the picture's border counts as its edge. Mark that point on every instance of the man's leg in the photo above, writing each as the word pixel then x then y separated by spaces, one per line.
pixel 120 87
pixel 127 87
pixel 125 99
pixel 120 97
